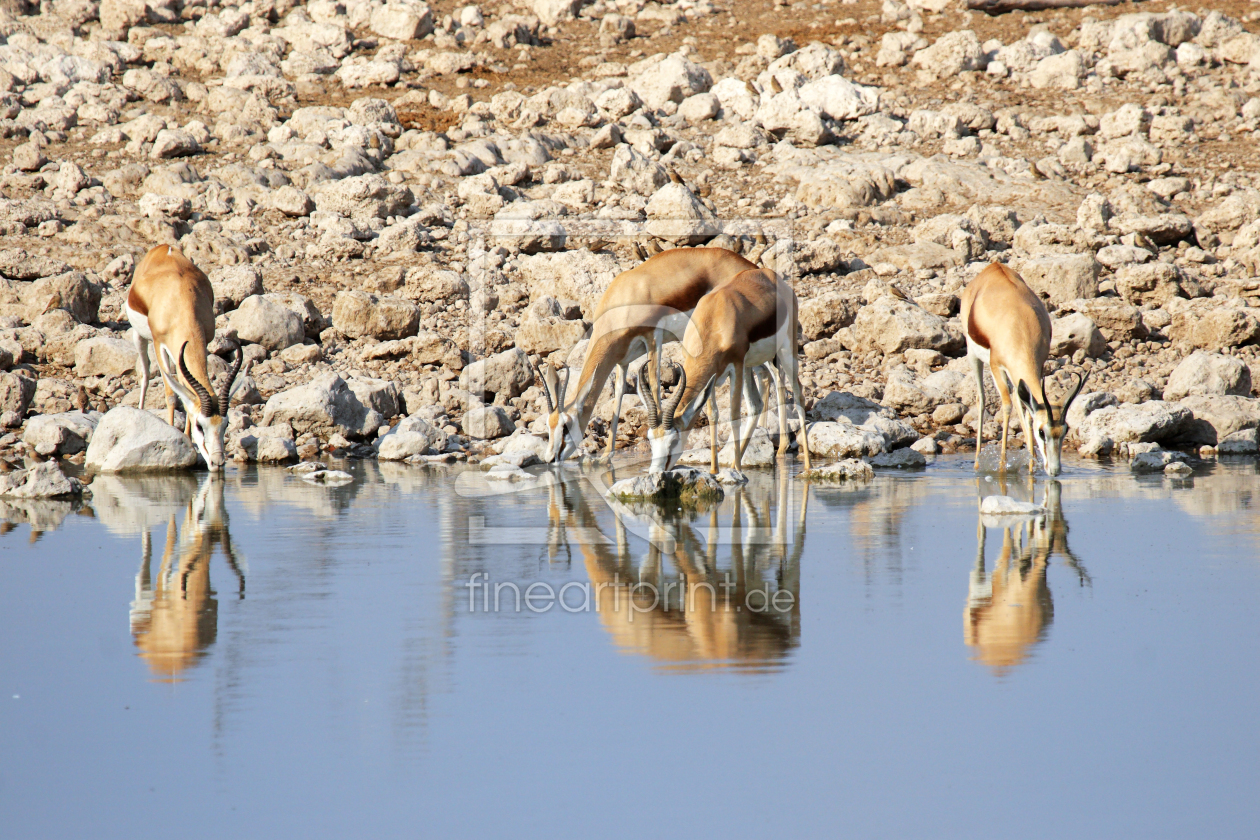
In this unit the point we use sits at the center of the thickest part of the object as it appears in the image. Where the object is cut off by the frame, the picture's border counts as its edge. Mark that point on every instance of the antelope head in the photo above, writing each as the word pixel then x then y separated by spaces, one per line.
pixel 1049 423
pixel 563 434
pixel 207 412
pixel 664 437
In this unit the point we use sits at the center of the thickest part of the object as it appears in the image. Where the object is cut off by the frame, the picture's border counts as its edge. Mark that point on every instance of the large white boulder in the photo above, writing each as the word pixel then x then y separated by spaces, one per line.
pixel 892 325
pixel 838 98
pixel 676 215
pixel 61 434
pixel 323 406
pixel 1063 71
pixel 488 422
pixel 358 314
pixel 670 78
pixel 118 16
pixel 813 61
pixel 362 197
pixel 1076 331
pixel 260 320
pixel 848 469
pixel 508 373
pixel 380 395
pixel 1214 325
pixel 412 436
pixel 1216 417
pixel 552 12
pixel 402 21
pixel 737 98
pixel 843 440
pixel 687 485
pixel 1208 374
pixel 104 356
pixel 128 439
pixel 1061 277
pixel 232 284
pixel 953 53
pixel 786 113
pixel 1154 421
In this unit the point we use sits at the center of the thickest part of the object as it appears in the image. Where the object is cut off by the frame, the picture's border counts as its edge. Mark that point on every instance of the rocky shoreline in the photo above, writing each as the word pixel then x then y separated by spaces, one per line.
pixel 403 208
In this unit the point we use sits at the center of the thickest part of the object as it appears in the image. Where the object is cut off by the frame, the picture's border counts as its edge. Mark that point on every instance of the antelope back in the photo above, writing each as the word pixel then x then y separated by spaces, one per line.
pixel 1002 315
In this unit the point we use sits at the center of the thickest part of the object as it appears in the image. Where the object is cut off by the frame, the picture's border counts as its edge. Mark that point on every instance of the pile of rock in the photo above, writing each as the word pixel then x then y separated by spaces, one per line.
pixel 398 230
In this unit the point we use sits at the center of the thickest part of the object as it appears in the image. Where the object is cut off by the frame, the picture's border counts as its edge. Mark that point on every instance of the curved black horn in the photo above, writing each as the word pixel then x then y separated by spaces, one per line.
pixel 225 395
pixel 564 386
pixel 643 386
pixel 1080 384
pixel 208 407
pixel 671 405
pixel 1076 392
pixel 549 384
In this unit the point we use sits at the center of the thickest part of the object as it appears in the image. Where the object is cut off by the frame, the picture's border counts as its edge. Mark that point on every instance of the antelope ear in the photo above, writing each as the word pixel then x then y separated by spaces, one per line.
pixel 1025 396
pixel 1010 386
pixel 165 360
pixel 689 411
pixel 171 376
pixel 708 390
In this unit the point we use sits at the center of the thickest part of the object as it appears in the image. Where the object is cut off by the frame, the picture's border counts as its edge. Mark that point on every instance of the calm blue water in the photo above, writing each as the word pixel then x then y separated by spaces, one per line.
pixel 302 661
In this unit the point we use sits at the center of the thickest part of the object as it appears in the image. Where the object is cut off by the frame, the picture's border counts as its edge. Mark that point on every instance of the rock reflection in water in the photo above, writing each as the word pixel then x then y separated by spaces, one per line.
pixel 43 515
pixel 174 617
pixel 708 612
pixel 1010 608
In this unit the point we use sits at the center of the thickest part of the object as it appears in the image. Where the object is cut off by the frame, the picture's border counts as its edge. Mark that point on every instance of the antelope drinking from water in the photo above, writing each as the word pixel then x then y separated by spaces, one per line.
pixel 641 310
pixel 171 305
pixel 1008 328
pixel 747 322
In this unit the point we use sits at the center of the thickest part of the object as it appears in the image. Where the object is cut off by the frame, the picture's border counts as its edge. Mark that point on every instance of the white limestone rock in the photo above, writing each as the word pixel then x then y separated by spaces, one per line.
pixel 128 439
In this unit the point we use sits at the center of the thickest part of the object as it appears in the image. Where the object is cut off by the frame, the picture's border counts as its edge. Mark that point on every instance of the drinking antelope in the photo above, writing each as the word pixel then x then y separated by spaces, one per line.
pixel 171 305
pixel 641 309
pixel 747 322
pixel 1008 328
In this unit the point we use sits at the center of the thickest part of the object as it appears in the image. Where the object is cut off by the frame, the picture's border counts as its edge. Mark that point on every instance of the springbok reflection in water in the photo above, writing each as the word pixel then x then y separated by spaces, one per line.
pixel 1010 608
pixel 174 618
pixel 706 614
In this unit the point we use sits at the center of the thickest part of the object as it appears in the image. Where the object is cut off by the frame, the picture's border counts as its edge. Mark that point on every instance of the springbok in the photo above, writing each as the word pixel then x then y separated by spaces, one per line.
pixel 1008 329
pixel 171 304
pixel 641 309
pixel 747 322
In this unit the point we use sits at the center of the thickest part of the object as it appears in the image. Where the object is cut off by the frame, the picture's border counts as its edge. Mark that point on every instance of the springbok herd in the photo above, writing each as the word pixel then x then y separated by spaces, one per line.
pixel 736 322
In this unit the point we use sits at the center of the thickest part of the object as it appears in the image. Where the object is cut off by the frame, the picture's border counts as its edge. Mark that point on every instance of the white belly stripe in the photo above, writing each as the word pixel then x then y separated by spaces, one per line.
pixel 760 352
pixel 140 322
pixel 973 349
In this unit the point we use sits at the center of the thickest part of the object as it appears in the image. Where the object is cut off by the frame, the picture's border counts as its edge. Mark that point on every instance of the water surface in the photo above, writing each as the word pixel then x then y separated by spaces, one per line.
pixel 263 657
